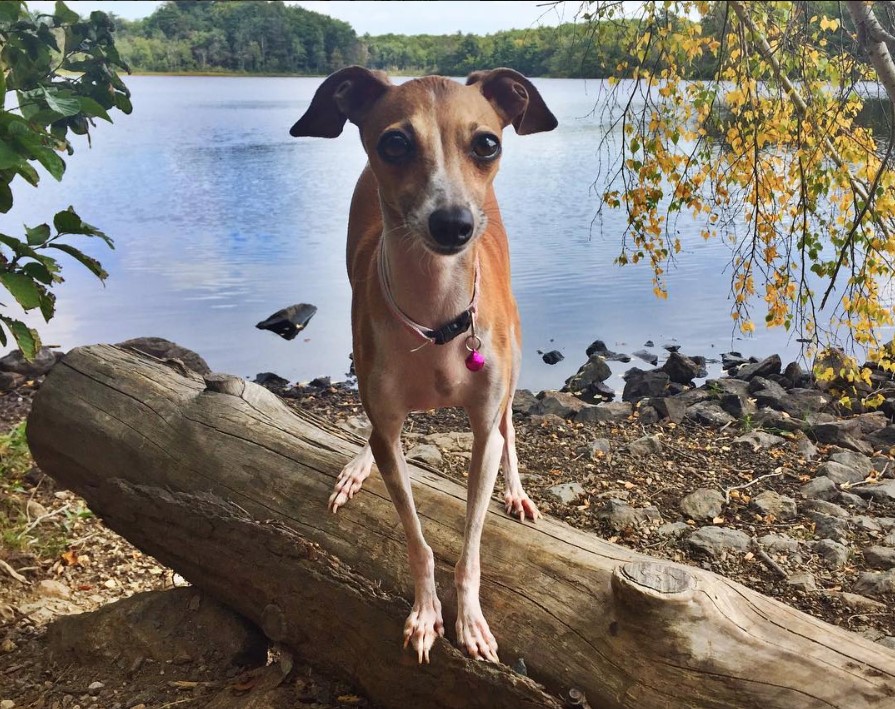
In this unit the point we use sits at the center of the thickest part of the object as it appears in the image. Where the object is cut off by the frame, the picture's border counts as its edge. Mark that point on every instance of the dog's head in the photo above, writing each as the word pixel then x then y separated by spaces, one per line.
pixel 433 144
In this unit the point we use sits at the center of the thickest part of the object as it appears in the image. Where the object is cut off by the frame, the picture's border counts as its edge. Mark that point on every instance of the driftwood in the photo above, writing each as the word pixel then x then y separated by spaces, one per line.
pixel 217 478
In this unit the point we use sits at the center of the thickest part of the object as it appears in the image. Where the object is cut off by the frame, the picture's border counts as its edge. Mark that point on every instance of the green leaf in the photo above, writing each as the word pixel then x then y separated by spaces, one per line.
pixel 63 15
pixel 2 337
pixel 38 235
pixel 10 11
pixel 123 103
pixel 51 161
pixel 63 105
pixel 8 156
pixel 23 289
pixel 5 198
pixel 68 222
pixel 90 107
pixel 47 304
pixel 94 266
pixel 39 272
pixel 27 339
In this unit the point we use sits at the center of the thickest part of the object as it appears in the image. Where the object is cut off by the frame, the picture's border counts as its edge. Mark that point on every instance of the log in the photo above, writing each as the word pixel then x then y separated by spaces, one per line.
pixel 217 478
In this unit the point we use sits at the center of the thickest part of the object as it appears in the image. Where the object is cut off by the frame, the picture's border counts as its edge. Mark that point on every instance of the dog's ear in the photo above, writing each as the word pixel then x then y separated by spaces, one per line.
pixel 515 99
pixel 345 95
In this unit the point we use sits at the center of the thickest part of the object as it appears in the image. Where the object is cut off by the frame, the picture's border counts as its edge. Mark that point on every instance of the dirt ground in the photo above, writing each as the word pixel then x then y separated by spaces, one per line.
pixel 74 564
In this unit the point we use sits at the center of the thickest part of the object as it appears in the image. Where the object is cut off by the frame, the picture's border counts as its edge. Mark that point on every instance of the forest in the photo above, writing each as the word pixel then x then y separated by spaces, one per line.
pixel 274 38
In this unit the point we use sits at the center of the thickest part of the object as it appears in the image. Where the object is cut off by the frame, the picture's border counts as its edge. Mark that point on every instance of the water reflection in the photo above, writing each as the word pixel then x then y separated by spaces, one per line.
pixel 220 218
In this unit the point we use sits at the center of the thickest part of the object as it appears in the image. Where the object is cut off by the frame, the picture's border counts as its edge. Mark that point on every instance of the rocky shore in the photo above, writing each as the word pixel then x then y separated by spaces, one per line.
pixel 760 474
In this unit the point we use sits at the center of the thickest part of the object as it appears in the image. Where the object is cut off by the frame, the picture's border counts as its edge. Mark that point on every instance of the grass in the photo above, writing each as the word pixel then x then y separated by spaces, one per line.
pixel 19 530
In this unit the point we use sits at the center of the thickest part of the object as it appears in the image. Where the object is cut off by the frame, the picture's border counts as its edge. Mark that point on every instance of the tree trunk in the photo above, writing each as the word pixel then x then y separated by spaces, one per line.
pixel 873 38
pixel 187 469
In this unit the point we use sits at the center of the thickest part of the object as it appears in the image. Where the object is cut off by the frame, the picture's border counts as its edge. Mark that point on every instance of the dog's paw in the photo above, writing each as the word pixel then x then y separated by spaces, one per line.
pixel 422 626
pixel 351 479
pixel 473 633
pixel 519 504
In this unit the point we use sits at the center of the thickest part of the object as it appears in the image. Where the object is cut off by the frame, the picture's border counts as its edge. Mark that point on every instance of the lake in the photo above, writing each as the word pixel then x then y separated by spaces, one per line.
pixel 221 218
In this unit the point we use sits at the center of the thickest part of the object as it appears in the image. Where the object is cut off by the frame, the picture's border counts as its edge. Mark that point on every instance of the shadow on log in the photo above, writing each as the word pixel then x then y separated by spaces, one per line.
pixel 218 479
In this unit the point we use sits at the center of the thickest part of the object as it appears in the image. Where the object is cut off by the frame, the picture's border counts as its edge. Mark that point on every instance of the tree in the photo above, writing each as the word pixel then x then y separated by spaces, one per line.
pixel 767 153
pixel 57 74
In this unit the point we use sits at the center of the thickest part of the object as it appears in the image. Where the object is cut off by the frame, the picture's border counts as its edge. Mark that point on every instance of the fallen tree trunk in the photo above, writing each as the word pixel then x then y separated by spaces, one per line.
pixel 218 479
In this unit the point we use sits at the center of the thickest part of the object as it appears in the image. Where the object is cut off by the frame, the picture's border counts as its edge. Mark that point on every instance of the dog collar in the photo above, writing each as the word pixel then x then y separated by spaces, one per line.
pixel 447 332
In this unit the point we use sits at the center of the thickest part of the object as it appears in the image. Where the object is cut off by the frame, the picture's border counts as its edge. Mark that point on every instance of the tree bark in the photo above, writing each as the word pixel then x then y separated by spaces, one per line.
pixel 873 39
pixel 190 469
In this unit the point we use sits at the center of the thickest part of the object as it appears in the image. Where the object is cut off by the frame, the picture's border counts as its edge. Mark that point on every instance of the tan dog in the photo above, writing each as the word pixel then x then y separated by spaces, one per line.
pixel 434 320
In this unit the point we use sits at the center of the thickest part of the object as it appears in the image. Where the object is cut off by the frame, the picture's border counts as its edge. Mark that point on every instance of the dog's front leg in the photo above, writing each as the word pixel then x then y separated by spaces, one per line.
pixel 473 632
pixel 424 623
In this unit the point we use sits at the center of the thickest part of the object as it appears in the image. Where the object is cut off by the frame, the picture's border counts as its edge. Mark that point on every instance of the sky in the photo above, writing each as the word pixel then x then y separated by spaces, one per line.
pixel 414 17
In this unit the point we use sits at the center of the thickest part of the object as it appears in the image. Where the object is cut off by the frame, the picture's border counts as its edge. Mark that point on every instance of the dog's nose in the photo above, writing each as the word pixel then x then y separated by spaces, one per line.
pixel 451 227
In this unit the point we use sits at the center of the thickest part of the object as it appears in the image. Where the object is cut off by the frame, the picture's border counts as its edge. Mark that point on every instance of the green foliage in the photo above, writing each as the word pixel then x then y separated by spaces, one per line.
pixel 58 73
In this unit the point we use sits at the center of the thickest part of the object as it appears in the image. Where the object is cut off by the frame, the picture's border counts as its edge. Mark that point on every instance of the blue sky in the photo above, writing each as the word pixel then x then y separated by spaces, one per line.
pixel 443 17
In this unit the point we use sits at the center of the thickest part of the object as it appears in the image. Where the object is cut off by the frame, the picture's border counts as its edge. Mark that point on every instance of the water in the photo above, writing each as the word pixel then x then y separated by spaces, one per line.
pixel 221 218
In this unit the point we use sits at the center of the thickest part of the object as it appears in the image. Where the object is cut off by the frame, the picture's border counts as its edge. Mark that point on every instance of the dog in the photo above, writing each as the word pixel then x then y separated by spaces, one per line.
pixel 434 321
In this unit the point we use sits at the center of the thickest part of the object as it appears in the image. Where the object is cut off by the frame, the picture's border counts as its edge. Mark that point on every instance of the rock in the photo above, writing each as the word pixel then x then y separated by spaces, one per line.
pixel 737 406
pixel 839 473
pixel 680 369
pixel 859 602
pixel 799 403
pixel 552 357
pixel 670 408
pixel 806 449
pixel 606 412
pixel 649 343
pixel 646 445
pixel 828 527
pixel 718 541
pixel 640 384
pixel 702 505
pixel 871 422
pixel 771 503
pixel 558 403
pixel 453 442
pixel 648 357
pixel 673 529
pixel 43 361
pixel 769 365
pixel 866 523
pixel 878 557
pixel 599 449
pixel 566 493
pixel 767 392
pixel 289 321
pixel 827 508
pixel 426 453
pixel 845 434
pixel 7 704
pixel 802 581
pixel 758 440
pixel 597 347
pixel 620 515
pixel 165 626
pixel 821 488
pixel 796 375
pixel 883 491
pixel 875 583
pixel 858 461
pixel 35 510
pixel 10 381
pixel 524 402
pixel 163 349
pixel 647 415
pixel 708 413
pixel 50 588
pixel 779 543
pixel 94 688
pixel 883 439
pixel 358 425
pixel 834 554
pixel 270 380
pixel 582 384
pixel 731 360
pixel 773 419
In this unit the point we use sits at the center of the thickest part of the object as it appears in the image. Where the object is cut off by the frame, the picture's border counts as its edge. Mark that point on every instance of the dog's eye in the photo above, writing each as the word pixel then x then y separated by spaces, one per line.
pixel 394 147
pixel 486 146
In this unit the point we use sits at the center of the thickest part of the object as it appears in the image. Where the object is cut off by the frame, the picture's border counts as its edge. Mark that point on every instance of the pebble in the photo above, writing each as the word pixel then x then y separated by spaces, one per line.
pixel 759 439
pixel 717 541
pixel 620 515
pixel 880 557
pixel 874 583
pixel 51 588
pixel 673 529
pixel 802 581
pixel 866 523
pixel 702 505
pixel 834 554
pixel 426 453
pixel 827 526
pixel 779 543
pixel 855 460
pixel 566 493
pixel 827 508
pixel 839 473
pixel 647 445
pixel 884 491
pixel 94 688
pixel 599 448
pixel 772 503
pixel 860 602
pixel 847 498
pixel 821 488
pixel 8 645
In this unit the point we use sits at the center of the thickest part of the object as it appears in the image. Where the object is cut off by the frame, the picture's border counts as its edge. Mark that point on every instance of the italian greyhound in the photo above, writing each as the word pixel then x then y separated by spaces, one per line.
pixel 434 322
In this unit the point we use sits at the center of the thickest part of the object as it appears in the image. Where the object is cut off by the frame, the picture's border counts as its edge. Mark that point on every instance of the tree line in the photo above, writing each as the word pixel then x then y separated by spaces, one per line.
pixel 274 38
